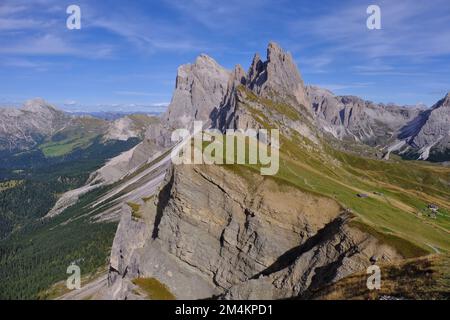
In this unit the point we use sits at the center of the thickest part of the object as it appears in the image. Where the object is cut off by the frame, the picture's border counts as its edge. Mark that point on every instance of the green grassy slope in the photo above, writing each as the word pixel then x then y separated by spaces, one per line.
pixel 398 191
pixel 80 133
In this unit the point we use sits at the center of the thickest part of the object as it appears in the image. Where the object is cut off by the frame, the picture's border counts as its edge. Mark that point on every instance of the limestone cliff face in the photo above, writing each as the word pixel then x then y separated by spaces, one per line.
pixel 200 88
pixel 227 233
pixel 277 75
pixel 414 132
pixel 429 132
pixel 215 231
pixel 223 116
pixel 357 119
pixel 271 94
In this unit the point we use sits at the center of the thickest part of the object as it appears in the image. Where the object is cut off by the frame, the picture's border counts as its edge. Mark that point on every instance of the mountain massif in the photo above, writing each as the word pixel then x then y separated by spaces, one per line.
pixel 337 205
pixel 38 122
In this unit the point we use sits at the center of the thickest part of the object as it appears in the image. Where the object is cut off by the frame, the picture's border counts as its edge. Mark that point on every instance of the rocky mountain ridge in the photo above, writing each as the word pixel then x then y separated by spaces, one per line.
pixel 37 122
pixel 427 136
pixel 226 232
pixel 349 118
pixel 278 74
pixel 199 88
pixel 23 128
pixel 253 238
pixel 413 132
pixel 254 244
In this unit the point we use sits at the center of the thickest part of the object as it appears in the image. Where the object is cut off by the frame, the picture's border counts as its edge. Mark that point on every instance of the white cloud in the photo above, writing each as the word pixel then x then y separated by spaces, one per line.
pixel 19 24
pixel 145 34
pixel 51 44
pixel 37 28
pixel 409 29
pixel 224 16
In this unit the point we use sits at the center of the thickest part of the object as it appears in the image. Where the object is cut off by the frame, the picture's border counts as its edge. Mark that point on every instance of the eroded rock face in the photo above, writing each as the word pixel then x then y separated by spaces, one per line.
pixel 218 232
pixel 213 231
pixel 131 235
pixel 430 131
pixel 199 89
pixel 426 136
pixel 331 254
pixel 414 132
pixel 278 75
pixel 223 116
pixel 271 94
pixel 357 119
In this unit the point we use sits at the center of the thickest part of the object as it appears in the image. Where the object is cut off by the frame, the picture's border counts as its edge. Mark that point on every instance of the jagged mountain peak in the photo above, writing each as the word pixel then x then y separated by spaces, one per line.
pixel 207 91
pixel 444 102
pixel 200 87
pixel 277 57
pixel 255 70
pixel 203 60
pixel 23 128
pixel 203 87
pixel 278 74
pixel 256 59
pixel 238 75
pixel 350 117
pixel 273 47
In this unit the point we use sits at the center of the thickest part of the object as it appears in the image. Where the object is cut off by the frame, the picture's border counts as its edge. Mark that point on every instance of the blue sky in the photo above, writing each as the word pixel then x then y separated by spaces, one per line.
pixel 127 52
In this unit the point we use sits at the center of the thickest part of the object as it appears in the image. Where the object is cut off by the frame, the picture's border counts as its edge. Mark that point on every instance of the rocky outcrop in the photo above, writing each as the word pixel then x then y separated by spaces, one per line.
pixel 127 127
pixel 199 89
pixel 213 232
pixel 277 77
pixel 225 232
pixel 331 254
pixel 131 235
pixel 270 95
pixel 206 91
pixel 223 116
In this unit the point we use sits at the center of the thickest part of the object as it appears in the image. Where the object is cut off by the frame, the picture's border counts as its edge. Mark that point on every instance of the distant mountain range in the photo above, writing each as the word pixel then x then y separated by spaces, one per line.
pixel 414 132
pixel 38 122
pixel 112 115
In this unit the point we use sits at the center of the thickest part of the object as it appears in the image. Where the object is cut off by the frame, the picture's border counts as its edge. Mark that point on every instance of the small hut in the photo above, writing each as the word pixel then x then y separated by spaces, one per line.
pixel 433 208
